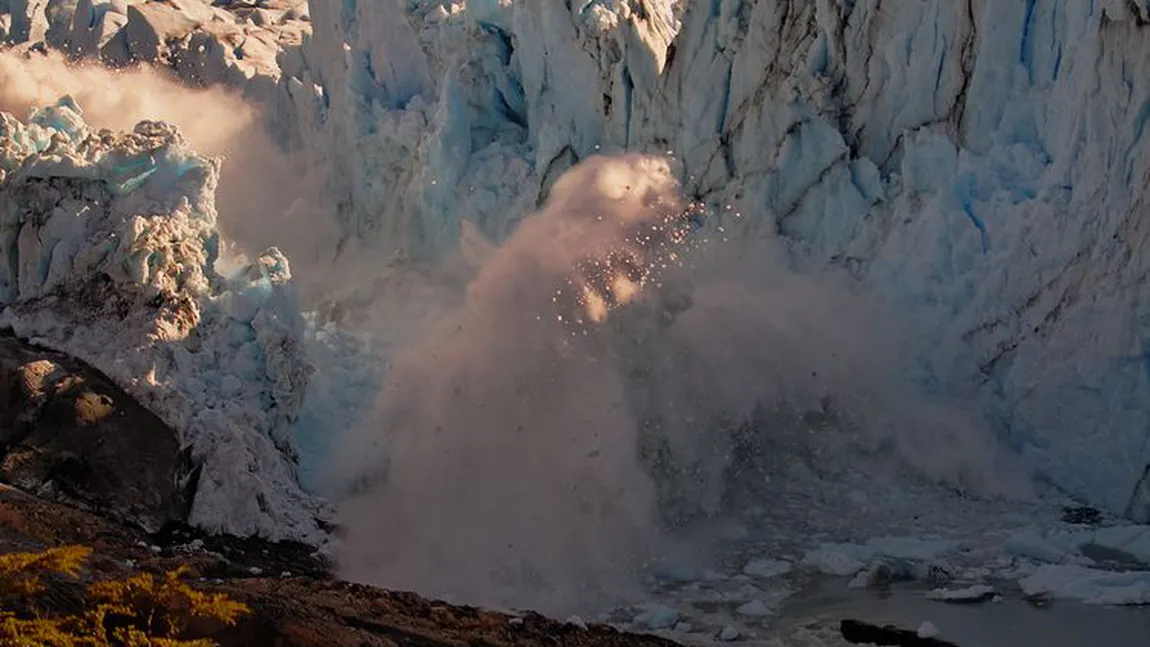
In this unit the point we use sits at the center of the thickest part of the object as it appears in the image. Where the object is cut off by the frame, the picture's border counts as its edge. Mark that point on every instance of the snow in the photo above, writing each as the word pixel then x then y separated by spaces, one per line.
pixel 109 252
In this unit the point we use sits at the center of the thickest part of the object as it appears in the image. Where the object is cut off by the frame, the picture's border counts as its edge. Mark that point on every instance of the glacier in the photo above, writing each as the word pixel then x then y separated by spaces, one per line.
pixel 110 252
pixel 982 166
pixel 978 167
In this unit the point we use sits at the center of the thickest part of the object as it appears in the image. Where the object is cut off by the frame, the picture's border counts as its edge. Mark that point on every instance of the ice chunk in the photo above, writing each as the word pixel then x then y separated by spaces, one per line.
pixel 974 593
pixel 108 253
pixel 1089 585
pixel 834 560
pixel 850 559
pixel 767 568
pixel 1132 540
pixel 151 25
pixel 755 609
pixel 657 616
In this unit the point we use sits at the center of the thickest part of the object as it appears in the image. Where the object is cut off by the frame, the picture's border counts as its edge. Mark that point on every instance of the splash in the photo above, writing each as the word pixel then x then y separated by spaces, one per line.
pixel 533 446
pixel 507 446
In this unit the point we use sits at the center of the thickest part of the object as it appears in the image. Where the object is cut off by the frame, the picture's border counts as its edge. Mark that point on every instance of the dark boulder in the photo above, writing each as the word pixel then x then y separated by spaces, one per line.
pixel 858 632
pixel 67 433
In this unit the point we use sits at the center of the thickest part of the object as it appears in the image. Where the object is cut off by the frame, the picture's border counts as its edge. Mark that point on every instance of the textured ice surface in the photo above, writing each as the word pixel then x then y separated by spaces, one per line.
pixel 981 164
pixel 236 44
pixel 108 252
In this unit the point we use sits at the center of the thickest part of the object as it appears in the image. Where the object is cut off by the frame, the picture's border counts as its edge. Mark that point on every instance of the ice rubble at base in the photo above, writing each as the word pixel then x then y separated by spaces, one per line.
pixel 914 145
pixel 981 559
pixel 1105 565
pixel 109 253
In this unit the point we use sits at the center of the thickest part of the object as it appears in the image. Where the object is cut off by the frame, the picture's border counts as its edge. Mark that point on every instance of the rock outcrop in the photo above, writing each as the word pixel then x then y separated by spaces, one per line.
pixel 68 433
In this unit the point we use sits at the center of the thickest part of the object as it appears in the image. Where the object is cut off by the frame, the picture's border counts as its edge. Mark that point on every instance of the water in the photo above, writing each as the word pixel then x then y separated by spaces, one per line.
pixel 1013 622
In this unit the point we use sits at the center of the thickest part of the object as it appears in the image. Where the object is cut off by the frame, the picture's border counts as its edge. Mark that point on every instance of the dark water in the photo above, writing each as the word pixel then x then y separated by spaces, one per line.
pixel 1013 622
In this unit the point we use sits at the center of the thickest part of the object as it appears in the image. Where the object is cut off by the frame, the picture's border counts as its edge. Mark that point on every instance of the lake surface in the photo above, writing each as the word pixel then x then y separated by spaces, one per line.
pixel 1013 622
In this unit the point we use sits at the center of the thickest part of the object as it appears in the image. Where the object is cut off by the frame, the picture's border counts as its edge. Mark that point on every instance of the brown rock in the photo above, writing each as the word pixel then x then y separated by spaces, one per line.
pixel 68 433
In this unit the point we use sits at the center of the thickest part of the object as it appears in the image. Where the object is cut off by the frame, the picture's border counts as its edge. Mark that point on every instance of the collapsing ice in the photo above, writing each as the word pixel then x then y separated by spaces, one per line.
pixel 109 248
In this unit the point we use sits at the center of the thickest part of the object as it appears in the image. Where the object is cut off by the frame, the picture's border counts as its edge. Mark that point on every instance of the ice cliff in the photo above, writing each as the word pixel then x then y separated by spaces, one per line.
pixel 109 252
pixel 981 164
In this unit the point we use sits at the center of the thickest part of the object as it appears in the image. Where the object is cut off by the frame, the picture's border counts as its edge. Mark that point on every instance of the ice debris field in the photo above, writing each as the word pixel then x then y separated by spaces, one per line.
pixel 902 339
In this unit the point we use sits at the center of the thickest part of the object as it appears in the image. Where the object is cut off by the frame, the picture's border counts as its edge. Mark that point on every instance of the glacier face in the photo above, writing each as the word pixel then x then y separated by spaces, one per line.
pixel 982 165
pixel 979 164
pixel 110 252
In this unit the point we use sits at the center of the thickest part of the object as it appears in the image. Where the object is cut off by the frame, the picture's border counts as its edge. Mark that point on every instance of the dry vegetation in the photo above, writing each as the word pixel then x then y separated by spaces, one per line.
pixel 144 610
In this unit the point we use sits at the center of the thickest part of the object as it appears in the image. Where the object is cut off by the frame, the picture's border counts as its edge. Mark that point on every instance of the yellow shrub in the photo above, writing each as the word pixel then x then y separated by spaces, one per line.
pixel 20 572
pixel 141 611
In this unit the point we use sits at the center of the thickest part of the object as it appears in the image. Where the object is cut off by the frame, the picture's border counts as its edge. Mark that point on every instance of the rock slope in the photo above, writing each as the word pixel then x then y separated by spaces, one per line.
pixel 294 604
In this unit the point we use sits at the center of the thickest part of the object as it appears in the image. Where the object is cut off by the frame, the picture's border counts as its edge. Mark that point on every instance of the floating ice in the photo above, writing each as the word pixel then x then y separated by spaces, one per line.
pixel 1089 585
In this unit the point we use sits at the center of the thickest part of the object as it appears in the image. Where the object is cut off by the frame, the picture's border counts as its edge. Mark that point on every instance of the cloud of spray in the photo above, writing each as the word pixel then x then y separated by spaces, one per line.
pixel 260 200
pixel 510 449
pixel 527 450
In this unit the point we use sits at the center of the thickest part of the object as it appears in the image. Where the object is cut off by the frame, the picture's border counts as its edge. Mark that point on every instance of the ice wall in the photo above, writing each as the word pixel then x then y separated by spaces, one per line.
pixel 109 252
pixel 982 164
